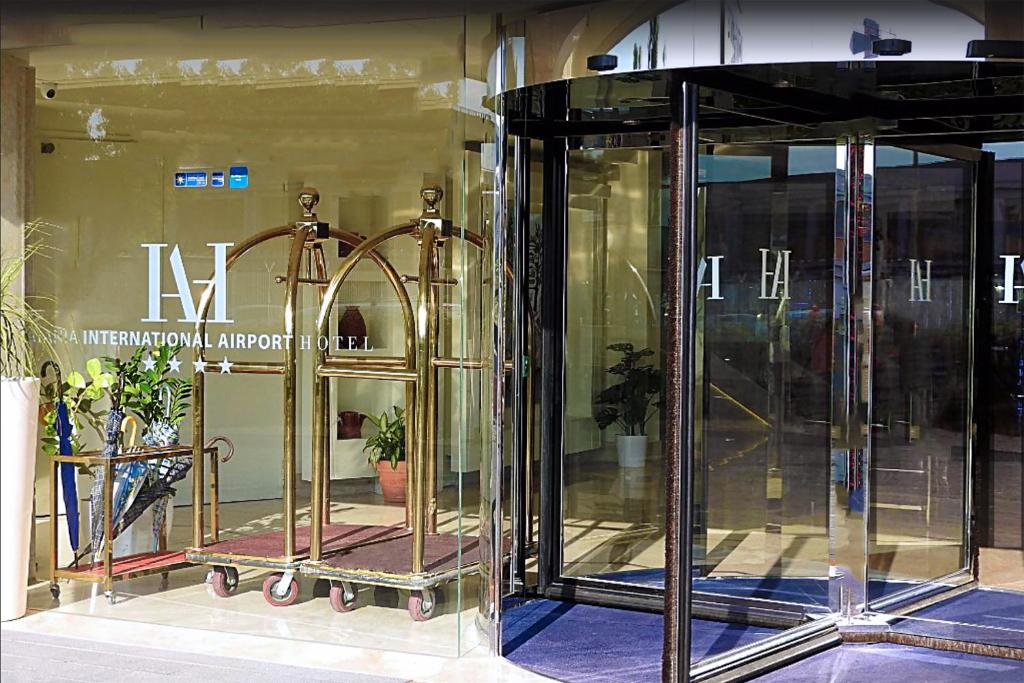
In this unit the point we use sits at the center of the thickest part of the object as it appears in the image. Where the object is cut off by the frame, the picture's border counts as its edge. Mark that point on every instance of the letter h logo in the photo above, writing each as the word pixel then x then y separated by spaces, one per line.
pixel 184 293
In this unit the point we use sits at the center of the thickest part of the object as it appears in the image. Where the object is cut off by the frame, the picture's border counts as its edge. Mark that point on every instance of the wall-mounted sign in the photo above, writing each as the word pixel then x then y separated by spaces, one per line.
pixel 217 179
pixel 190 179
pixel 238 177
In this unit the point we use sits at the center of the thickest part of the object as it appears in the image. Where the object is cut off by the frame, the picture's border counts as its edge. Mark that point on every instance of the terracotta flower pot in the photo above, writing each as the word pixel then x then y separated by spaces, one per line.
pixel 392 481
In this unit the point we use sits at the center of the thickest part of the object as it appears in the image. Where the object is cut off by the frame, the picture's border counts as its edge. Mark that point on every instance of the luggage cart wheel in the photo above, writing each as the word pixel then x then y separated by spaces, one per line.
pixel 343 596
pixel 270 591
pixel 225 581
pixel 55 591
pixel 421 604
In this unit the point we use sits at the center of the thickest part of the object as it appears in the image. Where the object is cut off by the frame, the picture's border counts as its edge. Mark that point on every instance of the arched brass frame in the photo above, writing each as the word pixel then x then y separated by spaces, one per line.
pixel 419 372
pixel 303 237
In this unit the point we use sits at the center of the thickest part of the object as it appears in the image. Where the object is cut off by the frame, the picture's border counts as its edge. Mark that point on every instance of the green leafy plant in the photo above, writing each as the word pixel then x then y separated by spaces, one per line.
pixel 389 441
pixel 82 397
pixel 24 331
pixel 146 388
pixel 628 403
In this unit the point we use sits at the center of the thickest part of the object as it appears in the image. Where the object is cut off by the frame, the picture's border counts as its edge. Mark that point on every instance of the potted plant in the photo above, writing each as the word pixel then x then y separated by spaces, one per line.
pixel 160 403
pixel 630 403
pixel 387 454
pixel 22 327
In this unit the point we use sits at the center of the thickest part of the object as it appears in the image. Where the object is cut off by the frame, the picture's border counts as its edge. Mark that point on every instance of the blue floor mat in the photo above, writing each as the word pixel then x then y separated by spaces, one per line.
pixel 578 643
pixel 993 617
pixel 887 663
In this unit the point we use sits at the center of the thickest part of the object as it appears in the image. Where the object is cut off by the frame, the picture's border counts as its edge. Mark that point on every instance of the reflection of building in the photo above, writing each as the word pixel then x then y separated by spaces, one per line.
pixel 853 411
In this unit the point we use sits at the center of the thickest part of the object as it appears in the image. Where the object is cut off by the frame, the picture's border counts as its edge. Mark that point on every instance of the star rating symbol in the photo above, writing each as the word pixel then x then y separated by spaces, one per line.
pixel 149 364
pixel 225 366
pixel 199 365
pixel 174 364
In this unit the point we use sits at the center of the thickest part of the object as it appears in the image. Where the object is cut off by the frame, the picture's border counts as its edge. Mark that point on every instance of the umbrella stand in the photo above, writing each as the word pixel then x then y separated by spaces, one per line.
pixel 107 569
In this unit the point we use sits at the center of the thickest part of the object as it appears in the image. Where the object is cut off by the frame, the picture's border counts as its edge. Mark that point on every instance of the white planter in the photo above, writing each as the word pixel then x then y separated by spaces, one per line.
pixel 632 450
pixel 19 417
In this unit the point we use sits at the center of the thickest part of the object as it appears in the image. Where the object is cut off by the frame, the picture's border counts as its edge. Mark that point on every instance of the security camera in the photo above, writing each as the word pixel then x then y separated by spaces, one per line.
pixel 48 90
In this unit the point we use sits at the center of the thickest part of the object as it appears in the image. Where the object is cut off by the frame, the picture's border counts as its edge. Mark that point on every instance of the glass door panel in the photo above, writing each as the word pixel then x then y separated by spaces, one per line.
pixel 764 362
pixel 921 366
pixel 613 475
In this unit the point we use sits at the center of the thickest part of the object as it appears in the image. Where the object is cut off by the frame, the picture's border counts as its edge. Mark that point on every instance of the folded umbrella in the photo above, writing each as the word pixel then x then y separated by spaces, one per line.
pixel 68 480
pixel 111 447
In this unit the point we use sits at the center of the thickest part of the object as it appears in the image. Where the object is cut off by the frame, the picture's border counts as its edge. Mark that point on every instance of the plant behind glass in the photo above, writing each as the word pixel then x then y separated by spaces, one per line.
pixel 389 441
pixel 22 326
pixel 81 395
pixel 628 403
pixel 159 400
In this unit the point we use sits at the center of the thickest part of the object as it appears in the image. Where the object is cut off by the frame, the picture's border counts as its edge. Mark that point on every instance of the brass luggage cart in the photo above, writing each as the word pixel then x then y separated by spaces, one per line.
pixel 279 551
pixel 422 559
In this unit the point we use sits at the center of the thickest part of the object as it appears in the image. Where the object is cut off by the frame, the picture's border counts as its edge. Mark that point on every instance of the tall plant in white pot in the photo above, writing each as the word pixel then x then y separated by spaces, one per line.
pixel 630 403
pixel 21 327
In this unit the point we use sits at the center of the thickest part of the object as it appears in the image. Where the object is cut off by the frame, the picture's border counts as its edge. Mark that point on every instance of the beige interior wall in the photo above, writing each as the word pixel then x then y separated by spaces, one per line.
pixel 367 114
pixel 17 99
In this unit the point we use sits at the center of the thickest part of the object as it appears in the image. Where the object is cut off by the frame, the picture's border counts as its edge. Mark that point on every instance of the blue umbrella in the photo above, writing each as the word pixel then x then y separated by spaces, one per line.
pixel 68 481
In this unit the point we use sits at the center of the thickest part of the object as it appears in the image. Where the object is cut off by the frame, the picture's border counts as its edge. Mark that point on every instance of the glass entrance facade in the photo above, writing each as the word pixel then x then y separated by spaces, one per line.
pixel 724 344
pixel 836 283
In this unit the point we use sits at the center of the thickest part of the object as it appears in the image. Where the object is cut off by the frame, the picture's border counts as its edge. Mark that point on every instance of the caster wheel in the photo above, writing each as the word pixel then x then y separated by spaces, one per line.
pixel 165 580
pixel 110 597
pixel 343 596
pixel 55 591
pixel 225 581
pixel 270 591
pixel 421 604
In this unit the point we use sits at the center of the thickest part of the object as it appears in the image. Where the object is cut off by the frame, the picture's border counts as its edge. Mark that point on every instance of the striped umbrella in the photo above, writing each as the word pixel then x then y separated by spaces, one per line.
pixel 111 447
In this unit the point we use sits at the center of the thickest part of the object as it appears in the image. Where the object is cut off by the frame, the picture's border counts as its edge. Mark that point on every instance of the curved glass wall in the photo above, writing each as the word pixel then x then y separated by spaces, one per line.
pixel 836 321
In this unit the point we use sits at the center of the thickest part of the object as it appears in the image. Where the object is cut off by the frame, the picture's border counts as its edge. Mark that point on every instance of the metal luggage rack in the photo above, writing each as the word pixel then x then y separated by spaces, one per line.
pixel 282 550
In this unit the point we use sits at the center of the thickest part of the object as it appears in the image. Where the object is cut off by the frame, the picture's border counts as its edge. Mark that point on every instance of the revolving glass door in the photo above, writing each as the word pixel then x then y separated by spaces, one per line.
pixel 833 297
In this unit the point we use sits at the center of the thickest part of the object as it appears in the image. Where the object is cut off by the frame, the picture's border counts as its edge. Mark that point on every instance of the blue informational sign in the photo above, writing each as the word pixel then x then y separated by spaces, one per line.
pixel 217 179
pixel 190 179
pixel 238 177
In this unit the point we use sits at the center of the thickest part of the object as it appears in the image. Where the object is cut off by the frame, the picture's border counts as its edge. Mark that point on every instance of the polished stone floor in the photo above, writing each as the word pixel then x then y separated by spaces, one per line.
pixel 613 524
